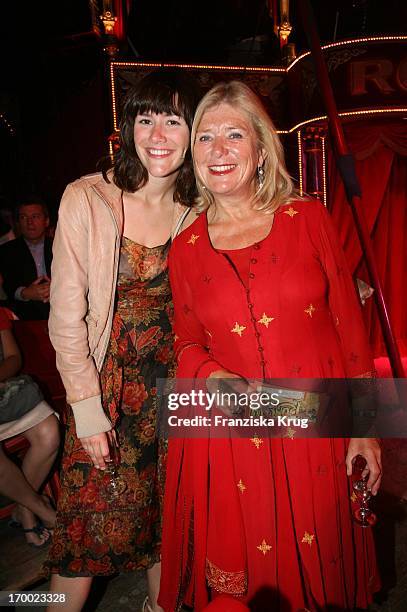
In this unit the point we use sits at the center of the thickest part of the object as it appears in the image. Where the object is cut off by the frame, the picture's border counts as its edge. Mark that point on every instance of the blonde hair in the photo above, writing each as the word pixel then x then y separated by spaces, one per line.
pixel 277 188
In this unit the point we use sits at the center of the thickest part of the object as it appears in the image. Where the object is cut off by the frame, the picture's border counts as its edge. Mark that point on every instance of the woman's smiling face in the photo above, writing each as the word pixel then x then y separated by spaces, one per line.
pixel 161 142
pixel 226 152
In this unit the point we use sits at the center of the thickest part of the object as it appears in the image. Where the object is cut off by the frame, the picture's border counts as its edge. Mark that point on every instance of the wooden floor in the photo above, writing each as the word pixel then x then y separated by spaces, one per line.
pixel 20 564
pixel 20 569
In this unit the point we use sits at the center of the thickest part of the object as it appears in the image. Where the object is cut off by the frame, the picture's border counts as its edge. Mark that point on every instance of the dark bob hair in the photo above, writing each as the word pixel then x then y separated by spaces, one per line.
pixel 163 91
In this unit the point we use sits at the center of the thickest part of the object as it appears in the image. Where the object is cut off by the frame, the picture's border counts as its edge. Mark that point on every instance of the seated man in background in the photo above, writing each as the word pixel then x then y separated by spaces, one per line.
pixel 25 263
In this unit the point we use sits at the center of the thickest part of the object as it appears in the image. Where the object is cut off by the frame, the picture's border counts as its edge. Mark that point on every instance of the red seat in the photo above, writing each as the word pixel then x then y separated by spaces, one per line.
pixel 39 361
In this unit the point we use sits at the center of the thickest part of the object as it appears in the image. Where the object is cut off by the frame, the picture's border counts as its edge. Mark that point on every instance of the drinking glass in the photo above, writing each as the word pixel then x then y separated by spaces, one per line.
pixel 113 483
pixel 363 515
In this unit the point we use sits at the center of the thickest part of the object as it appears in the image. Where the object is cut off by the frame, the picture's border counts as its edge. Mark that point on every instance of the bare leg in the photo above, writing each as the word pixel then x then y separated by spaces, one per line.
pixel 14 485
pixel 44 444
pixel 23 487
pixel 75 589
pixel 153 585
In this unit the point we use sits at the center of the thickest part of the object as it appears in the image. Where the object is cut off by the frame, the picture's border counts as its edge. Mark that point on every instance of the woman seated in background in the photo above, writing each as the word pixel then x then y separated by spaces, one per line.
pixel 266 293
pixel 23 411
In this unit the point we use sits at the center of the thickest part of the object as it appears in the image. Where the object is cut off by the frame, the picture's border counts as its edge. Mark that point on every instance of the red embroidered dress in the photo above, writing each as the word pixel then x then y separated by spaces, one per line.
pixel 266 520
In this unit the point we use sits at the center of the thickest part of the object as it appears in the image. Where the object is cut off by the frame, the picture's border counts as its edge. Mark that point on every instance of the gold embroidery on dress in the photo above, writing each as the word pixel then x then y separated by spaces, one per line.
pixel 291 212
pixel 257 441
pixel 310 310
pixel 265 320
pixel 238 329
pixel 308 538
pixel 233 583
pixel 241 486
pixel 353 497
pixel 290 433
pixel 264 547
pixel 193 239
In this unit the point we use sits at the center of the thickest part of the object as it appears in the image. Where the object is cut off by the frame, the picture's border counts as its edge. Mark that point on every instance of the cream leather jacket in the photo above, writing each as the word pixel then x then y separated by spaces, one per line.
pixel 85 265
pixel 84 274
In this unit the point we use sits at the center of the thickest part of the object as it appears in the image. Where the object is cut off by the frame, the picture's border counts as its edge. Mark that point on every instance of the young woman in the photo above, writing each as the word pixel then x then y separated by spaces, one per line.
pixel 110 324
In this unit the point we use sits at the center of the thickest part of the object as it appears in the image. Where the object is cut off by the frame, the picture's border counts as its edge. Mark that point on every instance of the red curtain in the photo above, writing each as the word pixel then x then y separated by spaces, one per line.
pixel 120 10
pixel 381 165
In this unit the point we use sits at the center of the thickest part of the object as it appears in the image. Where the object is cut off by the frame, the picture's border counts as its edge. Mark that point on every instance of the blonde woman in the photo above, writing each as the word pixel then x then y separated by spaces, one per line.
pixel 266 294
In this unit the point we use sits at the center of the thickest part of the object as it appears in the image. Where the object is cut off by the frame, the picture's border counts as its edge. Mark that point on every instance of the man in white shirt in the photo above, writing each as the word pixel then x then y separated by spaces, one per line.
pixel 25 263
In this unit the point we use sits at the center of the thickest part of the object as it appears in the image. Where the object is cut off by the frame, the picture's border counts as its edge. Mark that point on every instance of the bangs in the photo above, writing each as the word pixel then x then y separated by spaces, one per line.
pixel 167 92
pixel 160 99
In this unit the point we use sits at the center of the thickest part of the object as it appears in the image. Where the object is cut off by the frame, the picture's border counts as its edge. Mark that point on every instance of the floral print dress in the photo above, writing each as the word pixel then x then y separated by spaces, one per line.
pixel 94 534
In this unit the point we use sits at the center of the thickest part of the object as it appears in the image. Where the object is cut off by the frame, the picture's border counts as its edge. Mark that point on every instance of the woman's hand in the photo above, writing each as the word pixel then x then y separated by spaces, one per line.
pixel 98 447
pixel 228 383
pixel 370 450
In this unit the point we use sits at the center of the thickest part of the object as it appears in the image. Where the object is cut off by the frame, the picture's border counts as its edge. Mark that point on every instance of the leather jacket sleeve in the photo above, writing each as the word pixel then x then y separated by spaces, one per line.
pixel 69 306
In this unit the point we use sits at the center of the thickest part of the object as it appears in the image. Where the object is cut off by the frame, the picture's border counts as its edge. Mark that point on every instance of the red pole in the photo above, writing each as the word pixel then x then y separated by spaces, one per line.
pixel 346 166
pixel 273 12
